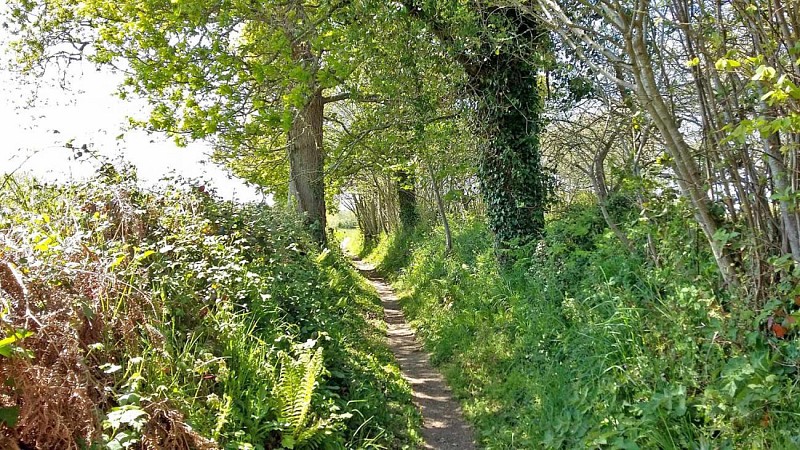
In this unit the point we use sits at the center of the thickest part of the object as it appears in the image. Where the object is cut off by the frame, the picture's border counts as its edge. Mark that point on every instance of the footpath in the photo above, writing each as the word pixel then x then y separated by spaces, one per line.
pixel 443 424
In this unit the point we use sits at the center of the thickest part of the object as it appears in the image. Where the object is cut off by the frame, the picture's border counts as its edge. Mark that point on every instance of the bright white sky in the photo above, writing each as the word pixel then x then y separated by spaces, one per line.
pixel 34 136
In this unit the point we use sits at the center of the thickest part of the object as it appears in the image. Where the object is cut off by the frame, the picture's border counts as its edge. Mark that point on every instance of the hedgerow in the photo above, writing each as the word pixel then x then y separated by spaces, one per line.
pixel 170 319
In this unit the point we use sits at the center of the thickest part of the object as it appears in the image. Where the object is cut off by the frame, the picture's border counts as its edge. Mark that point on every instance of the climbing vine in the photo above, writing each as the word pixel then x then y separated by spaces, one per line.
pixel 407 198
pixel 514 183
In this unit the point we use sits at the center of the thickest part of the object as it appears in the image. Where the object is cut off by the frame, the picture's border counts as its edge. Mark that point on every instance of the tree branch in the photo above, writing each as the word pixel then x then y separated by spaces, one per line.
pixel 350 96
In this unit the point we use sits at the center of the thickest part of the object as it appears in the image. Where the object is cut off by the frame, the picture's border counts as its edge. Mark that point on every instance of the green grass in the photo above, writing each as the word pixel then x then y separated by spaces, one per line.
pixel 582 345
pixel 350 241
pixel 353 244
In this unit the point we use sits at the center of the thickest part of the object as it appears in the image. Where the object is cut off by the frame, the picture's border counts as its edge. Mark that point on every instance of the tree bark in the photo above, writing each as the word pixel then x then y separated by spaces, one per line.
pixel 448 236
pixel 307 165
pixel 772 148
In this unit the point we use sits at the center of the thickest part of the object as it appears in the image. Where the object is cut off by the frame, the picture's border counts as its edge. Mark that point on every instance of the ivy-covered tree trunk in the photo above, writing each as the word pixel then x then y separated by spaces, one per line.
pixel 503 77
pixel 513 181
pixel 307 164
pixel 407 196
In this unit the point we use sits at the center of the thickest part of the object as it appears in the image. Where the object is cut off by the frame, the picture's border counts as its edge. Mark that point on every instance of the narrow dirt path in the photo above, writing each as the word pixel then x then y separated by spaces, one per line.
pixel 443 425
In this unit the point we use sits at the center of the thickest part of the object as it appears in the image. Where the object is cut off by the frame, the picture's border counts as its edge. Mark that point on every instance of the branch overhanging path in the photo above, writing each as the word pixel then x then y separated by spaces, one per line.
pixel 443 424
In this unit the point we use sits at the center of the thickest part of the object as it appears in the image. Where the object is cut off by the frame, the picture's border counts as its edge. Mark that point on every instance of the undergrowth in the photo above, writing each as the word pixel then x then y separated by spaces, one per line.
pixel 582 344
pixel 173 320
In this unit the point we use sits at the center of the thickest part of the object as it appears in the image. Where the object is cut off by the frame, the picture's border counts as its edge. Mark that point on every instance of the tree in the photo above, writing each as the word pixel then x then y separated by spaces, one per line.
pixel 719 81
pixel 501 50
pixel 414 88
pixel 253 77
pixel 624 43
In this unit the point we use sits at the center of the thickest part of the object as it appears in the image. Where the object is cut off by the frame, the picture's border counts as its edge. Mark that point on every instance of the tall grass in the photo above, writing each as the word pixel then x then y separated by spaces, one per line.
pixel 580 344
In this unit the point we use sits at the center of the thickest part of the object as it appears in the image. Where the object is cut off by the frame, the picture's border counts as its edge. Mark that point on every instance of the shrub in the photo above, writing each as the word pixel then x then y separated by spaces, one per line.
pixel 171 319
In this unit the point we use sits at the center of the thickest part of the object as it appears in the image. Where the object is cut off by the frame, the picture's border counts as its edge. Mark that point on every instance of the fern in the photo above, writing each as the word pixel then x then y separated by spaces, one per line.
pixel 294 392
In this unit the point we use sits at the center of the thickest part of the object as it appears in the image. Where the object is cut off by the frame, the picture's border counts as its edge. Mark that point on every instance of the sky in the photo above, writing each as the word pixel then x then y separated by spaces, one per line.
pixel 37 123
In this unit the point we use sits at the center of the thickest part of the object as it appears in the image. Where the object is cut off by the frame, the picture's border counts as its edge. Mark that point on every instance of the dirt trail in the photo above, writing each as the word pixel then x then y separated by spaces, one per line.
pixel 443 425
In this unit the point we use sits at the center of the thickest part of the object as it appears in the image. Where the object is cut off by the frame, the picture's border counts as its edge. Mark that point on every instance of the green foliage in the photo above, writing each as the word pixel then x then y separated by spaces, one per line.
pixel 295 389
pixel 9 416
pixel 580 344
pixel 392 254
pixel 236 72
pixel 225 314
pixel 407 202
pixel 7 344
pixel 344 220
pixel 514 183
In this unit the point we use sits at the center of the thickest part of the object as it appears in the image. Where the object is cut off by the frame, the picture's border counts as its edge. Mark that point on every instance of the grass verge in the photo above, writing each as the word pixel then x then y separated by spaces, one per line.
pixel 581 344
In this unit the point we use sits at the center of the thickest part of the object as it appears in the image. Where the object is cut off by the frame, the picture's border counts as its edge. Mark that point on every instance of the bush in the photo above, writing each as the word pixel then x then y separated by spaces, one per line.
pixel 171 319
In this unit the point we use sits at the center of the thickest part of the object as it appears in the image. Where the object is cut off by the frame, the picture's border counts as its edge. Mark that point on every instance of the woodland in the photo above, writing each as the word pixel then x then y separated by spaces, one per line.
pixel 589 208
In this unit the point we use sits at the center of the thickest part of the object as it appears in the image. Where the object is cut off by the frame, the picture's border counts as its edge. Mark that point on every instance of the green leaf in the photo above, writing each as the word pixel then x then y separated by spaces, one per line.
pixel 144 255
pixel 117 261
pixel 132 416
pixel 9 416
pixel 131 398
pixel 763 73
pixel 723 236
pixel 6 343
pixel 44 244
pixel 110 368
pixel 726 64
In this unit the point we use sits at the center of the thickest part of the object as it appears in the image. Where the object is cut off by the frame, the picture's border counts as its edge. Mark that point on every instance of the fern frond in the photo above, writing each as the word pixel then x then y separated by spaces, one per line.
pixel 294 393
pixel 313 369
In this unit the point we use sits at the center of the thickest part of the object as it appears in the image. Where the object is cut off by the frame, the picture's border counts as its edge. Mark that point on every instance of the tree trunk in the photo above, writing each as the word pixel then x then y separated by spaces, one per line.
pixel 772 148
pixel 407 199
pixel 505 83
pixel 513 181
pixel 448 236
pixel 367 214
pixel 307 164
pixel 688 173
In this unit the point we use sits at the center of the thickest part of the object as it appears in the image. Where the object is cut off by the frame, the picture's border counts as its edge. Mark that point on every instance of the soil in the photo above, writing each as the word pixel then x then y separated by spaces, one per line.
pixel 443 424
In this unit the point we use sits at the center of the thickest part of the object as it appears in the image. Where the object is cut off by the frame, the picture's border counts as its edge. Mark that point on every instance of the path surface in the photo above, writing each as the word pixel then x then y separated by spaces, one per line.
pixel 443 425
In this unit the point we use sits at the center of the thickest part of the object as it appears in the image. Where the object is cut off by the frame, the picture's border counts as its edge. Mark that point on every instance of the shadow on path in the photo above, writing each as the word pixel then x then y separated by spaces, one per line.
pixel 443 425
